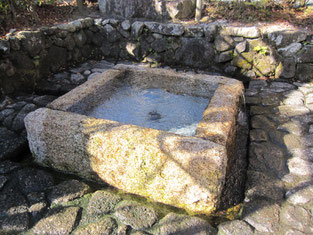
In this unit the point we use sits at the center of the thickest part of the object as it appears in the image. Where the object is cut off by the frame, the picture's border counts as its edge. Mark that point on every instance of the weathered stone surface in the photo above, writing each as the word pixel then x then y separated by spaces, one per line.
pixel 130 9
pixel 299 166
pixel 8 166
pixel 113 170
pixel 241 47
pixel 263 216
pixel 80 38
pixel 258 135
pixel 296 217
pixel 286 69
pixel 11 145
pixel 136 29
pixel 14 224
pixel 210 31
pixel 223 43
pixel 182 224
pixel 12 202
pixel 260 185
pixel 104 226
pixel 136 215
pixel 32 41
pixel 67 191
pixel 194 31
pixel 305 55
pixel 261 159
pixel 247 32
pixel 294 98
pixel 101 203
pixel 243 60
pixel 57 221
pixel 286 37
pixel 304 72
pixel 165 29
pixel 77 78
pixel 126 25
pixel 224 57
pixel 32 180
pixel 18 123
pixel 42 101
pixel 300 195
pixel 4 47
pixel 292 127
pixel 290 50
pixel 160 45
pixel 235 227
pixel 3 180
pixel 195 52
pixel 293 110
pixel 180 9
pixel 75 163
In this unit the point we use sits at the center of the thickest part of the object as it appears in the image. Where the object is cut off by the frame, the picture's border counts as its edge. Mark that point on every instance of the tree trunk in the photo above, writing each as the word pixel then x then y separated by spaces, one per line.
pixel 198 10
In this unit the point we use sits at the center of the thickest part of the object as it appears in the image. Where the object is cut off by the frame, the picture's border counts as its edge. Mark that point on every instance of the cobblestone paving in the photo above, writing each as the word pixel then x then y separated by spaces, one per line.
pixel 279 187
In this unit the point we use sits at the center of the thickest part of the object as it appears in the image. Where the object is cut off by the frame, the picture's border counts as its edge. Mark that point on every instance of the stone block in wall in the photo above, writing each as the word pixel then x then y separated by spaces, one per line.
pixel 247 32
pixel 110 34
pixel 304 72
pixel 243 60
pixel 195 52
pixel 224 43
pixel 15 43
pixel 80 38
pixel 290 50
pixel 136 29
pixel 4 47
pixel 305 55
pixel 286 37
pixel 56 58
pixel 165 29
pixel 286 69
pixel 32 42
pixel 160 45
pixel 224 57
pixel 210 31
pixel 194 31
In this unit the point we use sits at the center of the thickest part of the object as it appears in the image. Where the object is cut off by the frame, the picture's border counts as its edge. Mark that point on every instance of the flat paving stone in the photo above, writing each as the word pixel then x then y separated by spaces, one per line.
pixel 260 185
pixel 107 225
pixel 14 224
pixel 182 224
pixel 296 217
pixel 8 166
pixel 67 191
pixel 235 227
pixel 101 203
pixel 12 201
pixel 33 180
pixel 136 215
pixel 300 195
pixel 262 215
pixel 57 221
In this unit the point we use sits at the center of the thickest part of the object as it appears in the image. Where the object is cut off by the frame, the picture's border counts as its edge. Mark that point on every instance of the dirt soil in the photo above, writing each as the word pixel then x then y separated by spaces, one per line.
pixel 46 15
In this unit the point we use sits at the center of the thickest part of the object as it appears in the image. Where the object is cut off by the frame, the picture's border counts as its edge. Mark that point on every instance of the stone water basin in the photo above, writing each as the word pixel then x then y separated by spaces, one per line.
pixel 94 133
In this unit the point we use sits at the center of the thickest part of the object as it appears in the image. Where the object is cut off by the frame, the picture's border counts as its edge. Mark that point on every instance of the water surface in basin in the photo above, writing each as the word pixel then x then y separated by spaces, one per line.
pixel 153 108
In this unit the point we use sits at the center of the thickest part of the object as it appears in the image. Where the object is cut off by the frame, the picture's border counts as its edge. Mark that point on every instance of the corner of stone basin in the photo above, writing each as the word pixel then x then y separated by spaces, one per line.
pixel 185 172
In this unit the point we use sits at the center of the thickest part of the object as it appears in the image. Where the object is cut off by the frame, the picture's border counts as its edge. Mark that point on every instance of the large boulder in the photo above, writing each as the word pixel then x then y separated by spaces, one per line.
pixel 151 9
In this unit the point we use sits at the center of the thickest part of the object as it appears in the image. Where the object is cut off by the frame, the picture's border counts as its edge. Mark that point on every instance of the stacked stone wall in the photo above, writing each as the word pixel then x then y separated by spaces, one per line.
pixel 28 57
